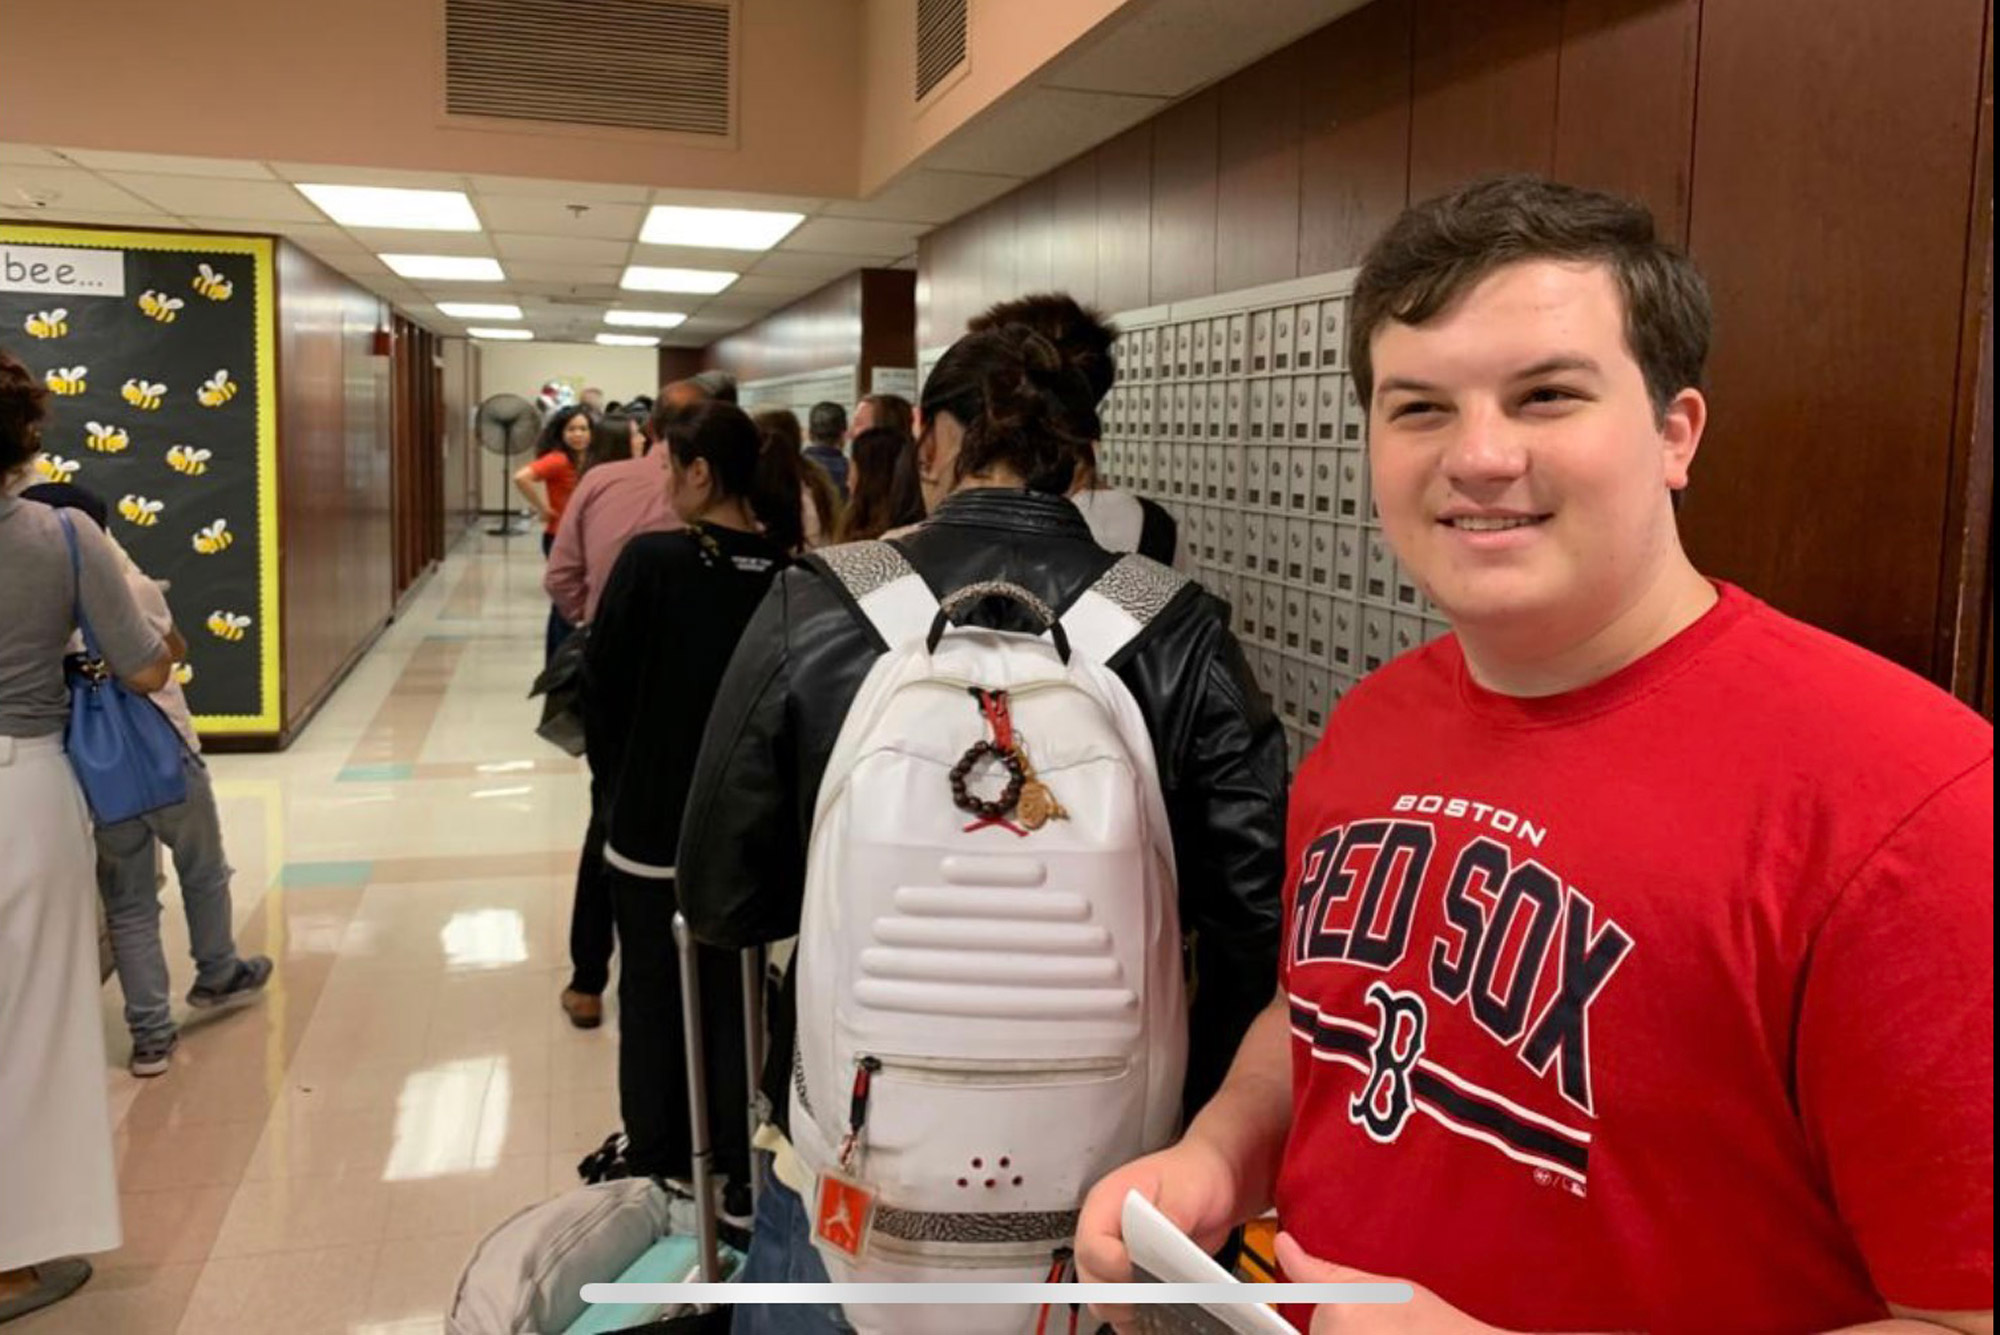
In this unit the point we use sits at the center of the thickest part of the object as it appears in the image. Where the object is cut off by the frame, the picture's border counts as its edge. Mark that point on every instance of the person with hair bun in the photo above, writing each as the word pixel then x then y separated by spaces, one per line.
pixel 1120 520
pixel 58 1184
pixel 1007 420
pixel 664 630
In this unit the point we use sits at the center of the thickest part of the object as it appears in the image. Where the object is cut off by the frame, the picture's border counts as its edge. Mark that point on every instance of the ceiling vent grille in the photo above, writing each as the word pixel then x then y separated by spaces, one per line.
pixel 940 41
pixel 497 62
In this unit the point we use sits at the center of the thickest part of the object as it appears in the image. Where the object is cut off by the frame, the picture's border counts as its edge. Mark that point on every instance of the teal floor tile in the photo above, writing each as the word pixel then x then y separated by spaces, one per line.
pixel 297 875
pixel 374 773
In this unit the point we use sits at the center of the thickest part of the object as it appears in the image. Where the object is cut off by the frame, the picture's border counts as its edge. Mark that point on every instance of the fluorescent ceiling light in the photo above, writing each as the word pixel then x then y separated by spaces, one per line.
pixel 384 206
pixel 480 310
pixel 453 268
pixel 501 333
pixel 629 340
pixel 647 278
pixel 717 229
pixel 646 319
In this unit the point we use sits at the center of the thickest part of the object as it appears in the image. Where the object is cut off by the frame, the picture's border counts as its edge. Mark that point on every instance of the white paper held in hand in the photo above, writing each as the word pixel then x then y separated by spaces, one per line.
pixel 1163 1254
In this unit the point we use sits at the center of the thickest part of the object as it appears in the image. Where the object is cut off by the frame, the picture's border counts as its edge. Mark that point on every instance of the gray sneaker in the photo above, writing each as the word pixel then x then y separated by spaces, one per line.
pixel 152 1056
pixel 243 986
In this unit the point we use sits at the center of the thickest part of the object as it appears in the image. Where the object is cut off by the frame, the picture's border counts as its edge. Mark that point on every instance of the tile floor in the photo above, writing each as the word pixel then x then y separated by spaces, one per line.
pixel 325 1161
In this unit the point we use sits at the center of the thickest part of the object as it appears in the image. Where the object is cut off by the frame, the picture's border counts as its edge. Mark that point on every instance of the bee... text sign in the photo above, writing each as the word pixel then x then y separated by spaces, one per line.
pixel 57 269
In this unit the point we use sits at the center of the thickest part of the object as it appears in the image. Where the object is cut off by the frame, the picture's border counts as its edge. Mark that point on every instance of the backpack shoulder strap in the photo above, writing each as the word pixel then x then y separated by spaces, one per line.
pixel 1106 623
pixel 881 587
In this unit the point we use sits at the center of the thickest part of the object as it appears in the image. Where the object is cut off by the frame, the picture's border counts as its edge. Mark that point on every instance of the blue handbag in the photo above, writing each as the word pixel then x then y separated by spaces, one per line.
pixel 125 751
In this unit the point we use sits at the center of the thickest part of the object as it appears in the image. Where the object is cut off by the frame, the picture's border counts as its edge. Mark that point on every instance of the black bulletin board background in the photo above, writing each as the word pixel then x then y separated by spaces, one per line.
pixel 215 590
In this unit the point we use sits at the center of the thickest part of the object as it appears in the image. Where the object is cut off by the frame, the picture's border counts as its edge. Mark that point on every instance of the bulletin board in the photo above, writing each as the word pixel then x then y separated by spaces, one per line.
pixel 158 352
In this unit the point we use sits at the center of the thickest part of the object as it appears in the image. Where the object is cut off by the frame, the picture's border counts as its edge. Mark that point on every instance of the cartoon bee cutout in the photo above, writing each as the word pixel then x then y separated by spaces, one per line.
pixel 47 324
pixel 227 625
pixel 143 395
pixel 217 390
pixel 139 511
pixel 161 307
pixel 67 381
pixel 106 439
pixel 55 468
pixel 183 673
pixel 214 286
pixel 186 459
pixel 214 538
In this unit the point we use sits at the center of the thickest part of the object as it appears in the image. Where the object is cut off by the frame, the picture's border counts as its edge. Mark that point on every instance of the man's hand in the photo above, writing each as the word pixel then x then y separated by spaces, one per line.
pixel 1426 1314
pixel 1191 1184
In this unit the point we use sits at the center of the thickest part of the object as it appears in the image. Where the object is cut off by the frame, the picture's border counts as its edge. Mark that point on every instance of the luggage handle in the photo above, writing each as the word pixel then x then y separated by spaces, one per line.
pixel 708 1238
pixel 999 588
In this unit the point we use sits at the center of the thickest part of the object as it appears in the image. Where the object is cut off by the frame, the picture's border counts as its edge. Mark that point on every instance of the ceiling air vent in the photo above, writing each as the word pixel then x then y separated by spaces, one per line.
pixel 498 62
pixel 940 41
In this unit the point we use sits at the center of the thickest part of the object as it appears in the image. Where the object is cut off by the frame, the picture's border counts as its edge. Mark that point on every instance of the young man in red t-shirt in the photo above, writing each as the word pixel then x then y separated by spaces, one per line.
pixel 1639 957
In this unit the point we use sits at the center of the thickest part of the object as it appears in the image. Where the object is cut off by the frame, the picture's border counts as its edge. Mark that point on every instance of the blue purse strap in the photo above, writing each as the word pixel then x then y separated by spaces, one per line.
pixel 76 580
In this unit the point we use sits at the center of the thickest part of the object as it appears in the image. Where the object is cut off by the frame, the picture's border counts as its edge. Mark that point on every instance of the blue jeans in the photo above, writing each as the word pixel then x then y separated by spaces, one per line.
pixel 781 1252
pixel 192 831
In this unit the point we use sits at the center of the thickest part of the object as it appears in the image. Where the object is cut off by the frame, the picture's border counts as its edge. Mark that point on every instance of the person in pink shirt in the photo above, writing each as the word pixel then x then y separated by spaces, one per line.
pixel 612 503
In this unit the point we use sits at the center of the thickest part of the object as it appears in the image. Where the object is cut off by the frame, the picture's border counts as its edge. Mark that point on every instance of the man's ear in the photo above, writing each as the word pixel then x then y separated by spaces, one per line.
pixel 1680 436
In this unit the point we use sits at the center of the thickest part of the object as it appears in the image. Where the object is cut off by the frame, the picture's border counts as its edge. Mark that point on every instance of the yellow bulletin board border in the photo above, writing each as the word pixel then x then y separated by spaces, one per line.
pixel 262 252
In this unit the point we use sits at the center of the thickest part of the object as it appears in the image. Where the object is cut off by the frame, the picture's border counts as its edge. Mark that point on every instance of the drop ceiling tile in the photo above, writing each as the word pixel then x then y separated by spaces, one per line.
pixel 777 285
pixel 543 287
pixel 310 173
pixel 855 236
pixel 56 217
pixel 585 192
pixel 312 236
pixel 169 164
pixel 696 257
pixel 551 271
pixel 1045 126
pixel 555 216
pixel 30 155
pixel 575 250
pixel 926 196
pixel 800 265
pixel 357 264
pixel 402 241
pixel 67 190
pixel 215 198
pixel 736 199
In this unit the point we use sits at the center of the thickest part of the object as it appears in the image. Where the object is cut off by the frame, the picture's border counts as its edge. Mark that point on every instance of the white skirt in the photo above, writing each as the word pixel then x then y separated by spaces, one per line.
pixel 58 1180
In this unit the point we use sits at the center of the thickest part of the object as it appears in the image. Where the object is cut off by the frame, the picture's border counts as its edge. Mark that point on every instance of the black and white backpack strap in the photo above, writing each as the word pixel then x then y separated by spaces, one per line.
pixel 882 586
pixel 1107 621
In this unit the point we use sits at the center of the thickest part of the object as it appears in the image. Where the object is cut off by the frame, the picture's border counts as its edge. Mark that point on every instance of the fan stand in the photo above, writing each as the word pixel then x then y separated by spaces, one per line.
pixel 510 524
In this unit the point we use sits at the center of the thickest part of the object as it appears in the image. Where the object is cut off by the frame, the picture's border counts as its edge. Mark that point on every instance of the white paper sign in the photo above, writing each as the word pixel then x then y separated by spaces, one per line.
pixel 58 269
pixel 897 380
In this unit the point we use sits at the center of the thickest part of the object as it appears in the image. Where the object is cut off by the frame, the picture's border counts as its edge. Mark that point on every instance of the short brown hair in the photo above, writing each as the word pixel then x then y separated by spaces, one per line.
pixel 1439 250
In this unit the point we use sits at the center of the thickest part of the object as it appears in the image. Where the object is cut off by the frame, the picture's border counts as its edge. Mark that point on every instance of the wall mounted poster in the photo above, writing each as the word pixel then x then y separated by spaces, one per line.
pixel 158 352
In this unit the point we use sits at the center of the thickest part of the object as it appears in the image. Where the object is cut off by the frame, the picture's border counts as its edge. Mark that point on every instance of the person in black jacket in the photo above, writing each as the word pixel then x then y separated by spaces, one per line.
pixel 666 627
pixel 1001 438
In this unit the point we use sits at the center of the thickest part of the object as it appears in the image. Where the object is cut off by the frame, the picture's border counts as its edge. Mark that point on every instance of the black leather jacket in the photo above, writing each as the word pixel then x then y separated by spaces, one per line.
pixel 801 661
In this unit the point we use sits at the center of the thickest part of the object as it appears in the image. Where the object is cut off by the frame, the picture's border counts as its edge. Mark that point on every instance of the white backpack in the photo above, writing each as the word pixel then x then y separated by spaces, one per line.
pixel 992 1012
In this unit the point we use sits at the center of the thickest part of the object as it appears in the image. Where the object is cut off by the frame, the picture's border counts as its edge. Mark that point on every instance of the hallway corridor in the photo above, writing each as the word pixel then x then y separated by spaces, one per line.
pixel 326 1160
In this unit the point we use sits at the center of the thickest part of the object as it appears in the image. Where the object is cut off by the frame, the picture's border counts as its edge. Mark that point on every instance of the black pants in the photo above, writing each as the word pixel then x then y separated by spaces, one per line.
pixel 592 934
pixel 652 1049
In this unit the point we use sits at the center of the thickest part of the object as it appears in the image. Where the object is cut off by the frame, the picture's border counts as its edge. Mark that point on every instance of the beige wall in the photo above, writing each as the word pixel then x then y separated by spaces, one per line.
pixel 1006 43
pixel 361 84
pixel 522 368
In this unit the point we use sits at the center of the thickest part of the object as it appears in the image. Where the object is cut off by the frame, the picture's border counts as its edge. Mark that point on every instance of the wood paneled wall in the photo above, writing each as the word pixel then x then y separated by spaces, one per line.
pixel 334 477
pixel 1827 162
pixel 867 318
pixel 461 451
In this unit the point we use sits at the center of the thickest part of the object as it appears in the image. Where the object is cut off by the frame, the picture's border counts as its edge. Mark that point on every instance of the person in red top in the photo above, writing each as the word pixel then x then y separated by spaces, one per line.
pixel 548 483
pixel 1638 970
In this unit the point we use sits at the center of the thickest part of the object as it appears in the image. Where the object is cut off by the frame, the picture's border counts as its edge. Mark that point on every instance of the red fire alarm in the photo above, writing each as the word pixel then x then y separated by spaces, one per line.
pixel 385 343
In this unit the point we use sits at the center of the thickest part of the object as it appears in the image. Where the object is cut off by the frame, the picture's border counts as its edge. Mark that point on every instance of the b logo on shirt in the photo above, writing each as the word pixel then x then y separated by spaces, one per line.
pixel 1385 1103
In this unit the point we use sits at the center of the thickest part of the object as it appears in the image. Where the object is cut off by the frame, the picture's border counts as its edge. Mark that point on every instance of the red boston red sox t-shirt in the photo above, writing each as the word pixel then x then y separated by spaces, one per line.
pixel 1666 1004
